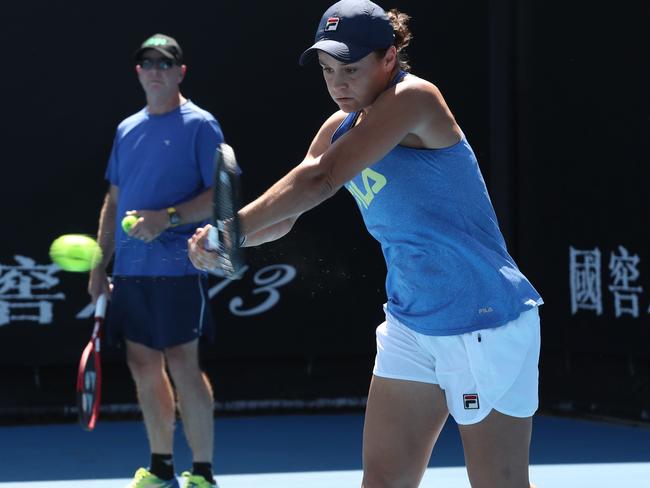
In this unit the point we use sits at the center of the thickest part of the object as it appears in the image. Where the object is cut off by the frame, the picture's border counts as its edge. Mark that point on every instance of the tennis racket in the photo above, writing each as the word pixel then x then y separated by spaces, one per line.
pixel 89 375
pixel 225 236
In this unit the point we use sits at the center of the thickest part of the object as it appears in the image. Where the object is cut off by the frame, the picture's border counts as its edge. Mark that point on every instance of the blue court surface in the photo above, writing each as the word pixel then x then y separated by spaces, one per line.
pixel 311 451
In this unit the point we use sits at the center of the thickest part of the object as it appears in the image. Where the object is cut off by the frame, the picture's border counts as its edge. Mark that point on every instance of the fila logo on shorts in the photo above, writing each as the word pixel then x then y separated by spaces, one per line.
pixel 470 401
pixel 332 24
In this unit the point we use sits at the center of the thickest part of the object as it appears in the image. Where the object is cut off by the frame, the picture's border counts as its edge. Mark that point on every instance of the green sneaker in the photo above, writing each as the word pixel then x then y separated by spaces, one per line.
pixel 144 479
pixel 197 481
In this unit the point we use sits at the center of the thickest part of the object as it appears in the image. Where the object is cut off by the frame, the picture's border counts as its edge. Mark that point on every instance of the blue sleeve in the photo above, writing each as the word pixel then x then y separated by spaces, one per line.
pixel 208 138
pixel 112 173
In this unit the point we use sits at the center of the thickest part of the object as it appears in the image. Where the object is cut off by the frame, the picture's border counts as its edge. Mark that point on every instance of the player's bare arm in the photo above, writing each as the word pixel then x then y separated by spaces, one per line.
pixel 98 281
pixel 396 114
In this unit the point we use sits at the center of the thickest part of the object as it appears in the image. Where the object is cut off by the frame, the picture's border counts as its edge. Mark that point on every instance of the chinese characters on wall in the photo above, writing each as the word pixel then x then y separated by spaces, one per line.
pixel 26 291
pixel 622 274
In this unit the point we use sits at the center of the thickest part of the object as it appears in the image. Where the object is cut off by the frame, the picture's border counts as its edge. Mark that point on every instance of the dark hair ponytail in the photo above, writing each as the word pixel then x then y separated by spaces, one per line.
pixel 399 21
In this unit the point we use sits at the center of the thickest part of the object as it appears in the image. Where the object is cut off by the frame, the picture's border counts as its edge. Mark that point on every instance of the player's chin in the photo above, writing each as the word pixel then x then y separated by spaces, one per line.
pixel 155 86
pixel 348 105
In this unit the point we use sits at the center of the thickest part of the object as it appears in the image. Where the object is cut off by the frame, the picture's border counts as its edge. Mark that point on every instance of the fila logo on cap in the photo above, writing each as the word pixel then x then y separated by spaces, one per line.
pixel 470 401
pixel 332 24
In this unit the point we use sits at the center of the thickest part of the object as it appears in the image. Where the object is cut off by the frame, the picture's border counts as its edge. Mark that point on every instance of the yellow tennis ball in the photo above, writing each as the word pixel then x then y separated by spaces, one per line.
pixel 75 252
pixel 128 222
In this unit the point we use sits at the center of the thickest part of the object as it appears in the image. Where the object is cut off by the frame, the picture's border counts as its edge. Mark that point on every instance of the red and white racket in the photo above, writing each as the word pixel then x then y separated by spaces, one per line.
pixel 89 375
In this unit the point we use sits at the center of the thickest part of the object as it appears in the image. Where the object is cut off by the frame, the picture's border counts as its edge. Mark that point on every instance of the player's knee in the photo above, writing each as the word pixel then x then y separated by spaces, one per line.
pixel 381 483
pixel 504 477
pixel 182 367
pixel 142 368
pixel 382 478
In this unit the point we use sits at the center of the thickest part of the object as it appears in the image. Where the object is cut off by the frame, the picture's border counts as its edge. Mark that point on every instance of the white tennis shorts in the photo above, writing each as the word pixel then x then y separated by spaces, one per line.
pixel 478 371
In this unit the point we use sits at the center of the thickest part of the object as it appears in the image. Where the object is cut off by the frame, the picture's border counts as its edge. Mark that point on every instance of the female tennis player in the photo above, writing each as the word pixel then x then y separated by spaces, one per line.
pixel 461 334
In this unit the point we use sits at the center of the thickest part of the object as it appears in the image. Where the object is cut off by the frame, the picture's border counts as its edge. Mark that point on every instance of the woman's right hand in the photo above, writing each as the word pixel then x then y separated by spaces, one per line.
pixel 202 258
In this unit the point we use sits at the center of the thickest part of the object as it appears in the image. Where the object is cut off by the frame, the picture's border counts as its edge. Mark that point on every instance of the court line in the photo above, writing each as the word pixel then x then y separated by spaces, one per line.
pixel 604 475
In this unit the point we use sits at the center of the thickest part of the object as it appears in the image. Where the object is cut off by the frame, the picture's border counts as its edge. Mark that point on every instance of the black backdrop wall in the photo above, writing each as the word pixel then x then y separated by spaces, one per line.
pixel 553 105
pixel 582 200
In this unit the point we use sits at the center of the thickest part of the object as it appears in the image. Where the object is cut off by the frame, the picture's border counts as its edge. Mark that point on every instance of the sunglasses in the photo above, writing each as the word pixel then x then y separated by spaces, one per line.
pixel 162 64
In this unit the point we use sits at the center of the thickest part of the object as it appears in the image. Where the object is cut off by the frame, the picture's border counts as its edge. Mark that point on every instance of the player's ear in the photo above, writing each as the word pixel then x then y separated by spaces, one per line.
pixel 182 74
pixel 391 57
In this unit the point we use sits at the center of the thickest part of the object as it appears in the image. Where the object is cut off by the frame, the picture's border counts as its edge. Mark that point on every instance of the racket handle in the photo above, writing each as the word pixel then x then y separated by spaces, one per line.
pixel 213 239
pixel 100 306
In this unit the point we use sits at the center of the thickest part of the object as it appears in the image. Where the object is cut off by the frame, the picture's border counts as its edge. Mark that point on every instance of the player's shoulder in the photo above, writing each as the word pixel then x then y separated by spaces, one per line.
pixel 415 90
pixel 415 96
pixel 191 111
pixel 413 86
pixel 132 121
pixel 323 137
pixel 330 125
pixel 334 120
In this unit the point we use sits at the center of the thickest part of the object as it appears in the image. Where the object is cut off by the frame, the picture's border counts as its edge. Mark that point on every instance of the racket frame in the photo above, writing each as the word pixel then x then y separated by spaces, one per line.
pixel 91 386
pixel 225 222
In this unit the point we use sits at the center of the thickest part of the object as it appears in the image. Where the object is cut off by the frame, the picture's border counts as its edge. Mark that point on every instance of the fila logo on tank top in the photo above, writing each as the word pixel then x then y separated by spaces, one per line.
pixel 372 183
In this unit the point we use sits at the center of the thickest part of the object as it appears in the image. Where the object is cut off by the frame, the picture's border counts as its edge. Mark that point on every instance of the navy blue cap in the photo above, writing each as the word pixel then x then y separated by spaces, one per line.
pixel 350 30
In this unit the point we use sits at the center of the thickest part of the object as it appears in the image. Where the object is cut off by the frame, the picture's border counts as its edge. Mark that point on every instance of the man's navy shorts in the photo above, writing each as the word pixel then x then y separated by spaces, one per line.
pixel 159 311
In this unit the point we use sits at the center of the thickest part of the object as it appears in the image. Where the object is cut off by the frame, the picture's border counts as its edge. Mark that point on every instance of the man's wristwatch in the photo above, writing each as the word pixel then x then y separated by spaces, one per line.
pixel 174 218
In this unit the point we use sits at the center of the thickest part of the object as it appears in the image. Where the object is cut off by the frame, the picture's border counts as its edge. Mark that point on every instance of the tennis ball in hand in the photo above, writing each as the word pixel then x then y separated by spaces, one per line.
pixel 75 252
pixel 128 222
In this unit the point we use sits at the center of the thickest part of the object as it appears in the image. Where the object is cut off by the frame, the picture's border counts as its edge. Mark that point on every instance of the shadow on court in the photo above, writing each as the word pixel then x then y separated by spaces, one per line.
pixel 282 444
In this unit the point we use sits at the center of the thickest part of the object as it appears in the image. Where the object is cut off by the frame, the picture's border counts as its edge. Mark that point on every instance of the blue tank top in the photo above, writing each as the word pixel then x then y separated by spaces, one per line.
pixel 449 271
